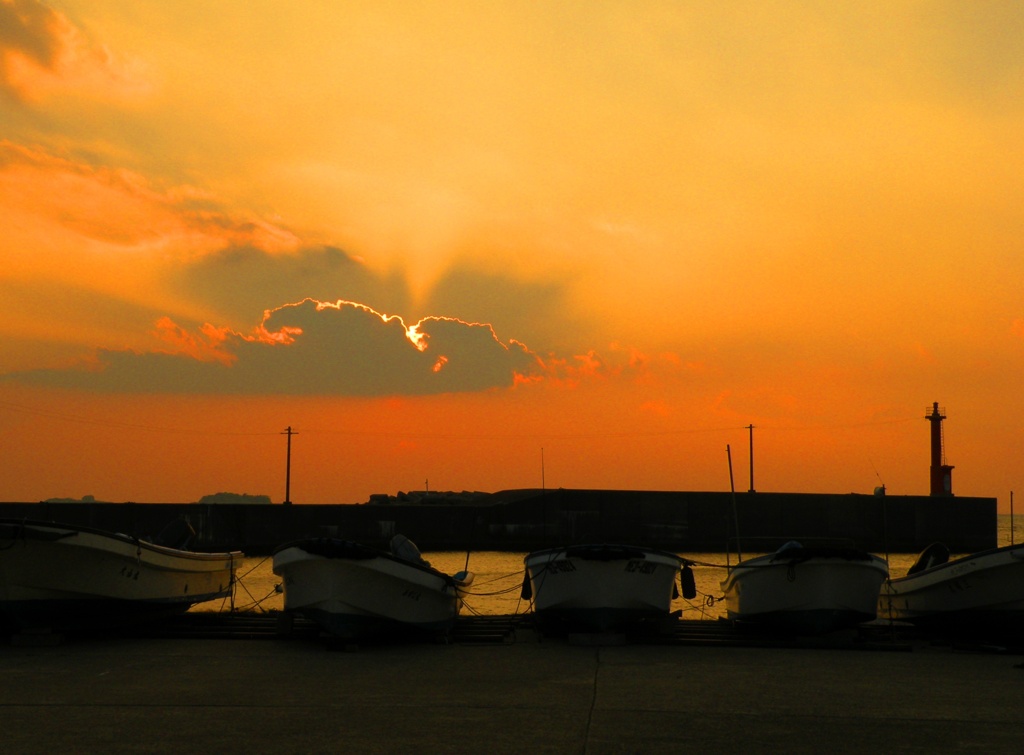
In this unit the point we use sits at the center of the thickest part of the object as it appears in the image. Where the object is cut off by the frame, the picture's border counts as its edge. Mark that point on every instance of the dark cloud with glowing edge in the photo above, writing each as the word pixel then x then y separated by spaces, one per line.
pixel 309 348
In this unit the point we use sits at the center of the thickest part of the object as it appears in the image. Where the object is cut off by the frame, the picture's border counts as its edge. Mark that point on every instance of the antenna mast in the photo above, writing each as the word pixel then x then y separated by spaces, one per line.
pixel 750 427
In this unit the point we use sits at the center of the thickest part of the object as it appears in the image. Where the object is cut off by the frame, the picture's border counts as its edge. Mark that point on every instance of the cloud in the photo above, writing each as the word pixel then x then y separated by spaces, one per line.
pixel 975 48
pixel 81 239
pixel 538 311
pixel 97 254
pixel 123 209
pixel 239 280
pixel 42 51
pixel 29 29
pixel 308 348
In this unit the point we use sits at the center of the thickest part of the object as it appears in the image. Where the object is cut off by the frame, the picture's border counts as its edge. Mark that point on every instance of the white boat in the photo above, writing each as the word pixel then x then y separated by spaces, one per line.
pixel 62 577
pixel 354 591
pixel 603 587
pixel 979 593
pixel 805 590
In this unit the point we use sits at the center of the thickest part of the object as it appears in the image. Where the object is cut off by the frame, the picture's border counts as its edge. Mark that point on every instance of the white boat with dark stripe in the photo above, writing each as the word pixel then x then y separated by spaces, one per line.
pixel 62 576
pixel 982 593
pixel 603 587
pixel 805 590
pixel 354 591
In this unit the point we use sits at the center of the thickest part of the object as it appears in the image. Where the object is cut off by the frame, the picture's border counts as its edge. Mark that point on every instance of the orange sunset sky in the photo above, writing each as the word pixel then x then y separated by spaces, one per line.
pixel 488 245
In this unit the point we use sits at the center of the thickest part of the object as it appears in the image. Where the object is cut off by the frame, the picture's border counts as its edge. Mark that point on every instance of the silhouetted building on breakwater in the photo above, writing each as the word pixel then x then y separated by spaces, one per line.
pixel 523 520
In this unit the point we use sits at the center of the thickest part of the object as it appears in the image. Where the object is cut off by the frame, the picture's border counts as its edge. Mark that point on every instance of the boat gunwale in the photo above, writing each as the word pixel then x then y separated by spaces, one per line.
pixel 552 553
pixel 377 553
pixel 23 525
pixel 773 559
pixel 1015 551
pixel 876 563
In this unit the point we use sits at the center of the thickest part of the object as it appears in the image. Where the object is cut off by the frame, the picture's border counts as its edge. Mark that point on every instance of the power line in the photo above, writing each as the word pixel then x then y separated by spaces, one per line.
pixel 678 431
pixel 117 423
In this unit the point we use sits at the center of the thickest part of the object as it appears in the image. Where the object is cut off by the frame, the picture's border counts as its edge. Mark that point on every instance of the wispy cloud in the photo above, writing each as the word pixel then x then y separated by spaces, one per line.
pixel 42 51
pixel 116 206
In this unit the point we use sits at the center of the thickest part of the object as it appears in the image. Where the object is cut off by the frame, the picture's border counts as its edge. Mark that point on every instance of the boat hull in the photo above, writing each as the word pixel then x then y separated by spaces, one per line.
pixel 67 577
pixel 808 594
pixel 355 592
pixel 599 588
pixel 981 592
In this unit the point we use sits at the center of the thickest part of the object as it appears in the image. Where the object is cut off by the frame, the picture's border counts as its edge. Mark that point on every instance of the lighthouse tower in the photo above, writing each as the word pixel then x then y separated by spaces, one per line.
pixel 941 472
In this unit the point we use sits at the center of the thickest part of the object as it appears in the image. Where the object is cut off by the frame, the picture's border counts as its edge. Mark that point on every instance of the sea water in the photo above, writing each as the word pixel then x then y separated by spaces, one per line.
pixel 498 579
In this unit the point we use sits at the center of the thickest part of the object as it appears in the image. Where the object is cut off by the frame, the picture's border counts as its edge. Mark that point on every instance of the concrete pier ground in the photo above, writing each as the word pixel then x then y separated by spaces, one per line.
pixel 293 695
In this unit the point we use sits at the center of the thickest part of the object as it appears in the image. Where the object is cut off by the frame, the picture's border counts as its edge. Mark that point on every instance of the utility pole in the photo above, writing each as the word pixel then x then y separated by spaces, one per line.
pixel 288 467
pixel 542 487
pixel 751 429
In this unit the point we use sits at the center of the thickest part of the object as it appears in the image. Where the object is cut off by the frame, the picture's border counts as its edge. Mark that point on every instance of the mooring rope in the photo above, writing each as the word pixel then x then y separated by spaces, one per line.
pixel 517 587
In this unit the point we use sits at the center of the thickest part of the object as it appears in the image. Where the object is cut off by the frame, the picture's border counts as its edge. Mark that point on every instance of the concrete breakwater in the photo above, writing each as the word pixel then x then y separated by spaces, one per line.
pixel 524 520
